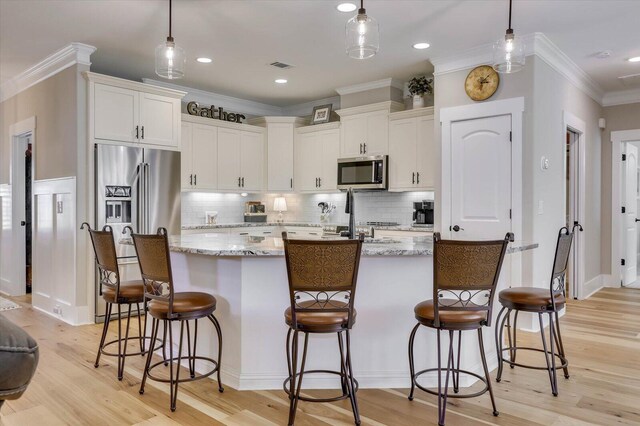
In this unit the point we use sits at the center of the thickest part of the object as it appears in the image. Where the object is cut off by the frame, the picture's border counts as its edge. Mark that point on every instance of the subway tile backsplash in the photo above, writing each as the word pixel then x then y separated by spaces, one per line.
pixel 370 206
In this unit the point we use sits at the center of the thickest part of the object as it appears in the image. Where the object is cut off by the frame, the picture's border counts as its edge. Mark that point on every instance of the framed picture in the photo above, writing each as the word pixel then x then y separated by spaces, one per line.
pixel 321 114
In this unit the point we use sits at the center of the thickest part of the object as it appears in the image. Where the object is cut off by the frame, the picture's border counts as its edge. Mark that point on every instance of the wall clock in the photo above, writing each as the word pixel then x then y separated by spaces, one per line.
pixel 481 83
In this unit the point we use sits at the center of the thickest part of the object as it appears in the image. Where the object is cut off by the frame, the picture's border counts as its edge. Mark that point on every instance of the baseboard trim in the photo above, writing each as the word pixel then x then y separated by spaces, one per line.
pixel 592 286
pixel 73 315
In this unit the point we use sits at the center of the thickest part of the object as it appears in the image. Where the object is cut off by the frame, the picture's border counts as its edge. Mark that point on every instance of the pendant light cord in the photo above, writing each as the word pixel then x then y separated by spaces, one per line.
pixel 510 2
pixel 172 37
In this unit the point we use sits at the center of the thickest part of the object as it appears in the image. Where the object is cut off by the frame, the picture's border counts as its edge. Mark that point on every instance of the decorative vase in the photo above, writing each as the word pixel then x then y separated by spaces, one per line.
pixel 418 101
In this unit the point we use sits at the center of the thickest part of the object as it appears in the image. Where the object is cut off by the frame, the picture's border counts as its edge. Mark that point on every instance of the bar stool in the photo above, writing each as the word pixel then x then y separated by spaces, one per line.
pixel 167 305
pixel 540 301
pixel 115 292
pixel 465 275
pixel 320 274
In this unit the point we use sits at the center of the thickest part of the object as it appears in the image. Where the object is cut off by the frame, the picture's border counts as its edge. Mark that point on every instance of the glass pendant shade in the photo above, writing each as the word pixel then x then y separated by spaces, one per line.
pixel 170 60
pixel 362 36
pixel 508 54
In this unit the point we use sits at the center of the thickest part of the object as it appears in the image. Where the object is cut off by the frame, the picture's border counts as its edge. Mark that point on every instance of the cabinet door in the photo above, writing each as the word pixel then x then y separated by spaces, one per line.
pixel 307 167
pixel 252 161
pixel 425 158
pixel 280 157
pixel 205 156
pixel 330 142
pixel 159 120
pixel 115 113
pixel 354 135
pixel 228 159
pixel 186 155
pixel 402 153
pixel 377 139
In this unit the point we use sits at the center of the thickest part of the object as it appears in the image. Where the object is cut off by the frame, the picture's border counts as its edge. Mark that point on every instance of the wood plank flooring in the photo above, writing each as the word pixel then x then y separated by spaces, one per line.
pixel 602 340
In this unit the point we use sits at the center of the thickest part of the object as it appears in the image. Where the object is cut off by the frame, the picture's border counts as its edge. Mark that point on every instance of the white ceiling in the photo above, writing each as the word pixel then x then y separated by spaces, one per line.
pixel 244 36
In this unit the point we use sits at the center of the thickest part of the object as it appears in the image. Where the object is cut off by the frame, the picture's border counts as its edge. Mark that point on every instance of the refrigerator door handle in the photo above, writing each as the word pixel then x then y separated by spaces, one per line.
pixel 146 198
pixel 139 198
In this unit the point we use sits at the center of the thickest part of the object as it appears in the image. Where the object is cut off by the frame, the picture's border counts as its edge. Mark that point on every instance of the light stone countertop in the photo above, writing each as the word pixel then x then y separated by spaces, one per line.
pixel 302 224
pixel 243 245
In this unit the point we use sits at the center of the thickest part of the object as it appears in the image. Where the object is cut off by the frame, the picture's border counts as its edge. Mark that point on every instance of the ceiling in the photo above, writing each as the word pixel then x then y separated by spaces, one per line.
pixel 243 37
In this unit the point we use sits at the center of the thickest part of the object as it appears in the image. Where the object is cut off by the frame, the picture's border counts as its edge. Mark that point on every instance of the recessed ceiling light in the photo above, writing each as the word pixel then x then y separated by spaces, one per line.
pixel 281 80
pixel 346 7
pixel 634 59
pixel 421 46
pixel 204 60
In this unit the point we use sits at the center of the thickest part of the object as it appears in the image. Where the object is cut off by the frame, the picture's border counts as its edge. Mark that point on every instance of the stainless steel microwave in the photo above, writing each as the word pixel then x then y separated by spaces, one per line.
pixel 363 172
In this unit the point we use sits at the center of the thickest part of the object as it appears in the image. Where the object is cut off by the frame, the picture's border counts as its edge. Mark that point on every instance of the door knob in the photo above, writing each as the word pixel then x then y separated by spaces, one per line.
pixel 637 220
pixel 455 228
pixel 23 223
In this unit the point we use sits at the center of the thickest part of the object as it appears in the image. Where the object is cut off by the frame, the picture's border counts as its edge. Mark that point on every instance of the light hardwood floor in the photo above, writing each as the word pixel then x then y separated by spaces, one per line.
pixel 602 340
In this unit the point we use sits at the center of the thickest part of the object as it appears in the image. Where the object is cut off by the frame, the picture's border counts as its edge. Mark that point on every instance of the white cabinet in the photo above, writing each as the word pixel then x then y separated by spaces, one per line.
pixel 123 111
pixel 316 158
pixel 365 130
pixel 240 160
pixel 199 156
pixel 411 150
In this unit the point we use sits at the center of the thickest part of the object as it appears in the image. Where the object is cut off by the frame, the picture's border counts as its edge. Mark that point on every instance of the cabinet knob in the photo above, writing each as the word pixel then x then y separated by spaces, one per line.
pixel 455 228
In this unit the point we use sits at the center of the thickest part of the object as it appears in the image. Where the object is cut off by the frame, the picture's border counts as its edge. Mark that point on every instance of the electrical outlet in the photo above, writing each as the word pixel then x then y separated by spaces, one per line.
pixel 540 207
pixel 57 310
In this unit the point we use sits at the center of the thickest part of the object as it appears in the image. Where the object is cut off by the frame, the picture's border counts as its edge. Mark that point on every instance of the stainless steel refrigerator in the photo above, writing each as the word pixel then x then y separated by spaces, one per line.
pixel 139 187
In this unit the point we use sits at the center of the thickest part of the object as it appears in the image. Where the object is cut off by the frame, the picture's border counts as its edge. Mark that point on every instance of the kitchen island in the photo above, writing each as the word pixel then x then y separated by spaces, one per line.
pixel 247 275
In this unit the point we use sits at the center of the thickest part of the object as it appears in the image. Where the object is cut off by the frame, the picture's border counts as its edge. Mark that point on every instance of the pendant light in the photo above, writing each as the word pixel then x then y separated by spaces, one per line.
pixel 508 52
pixel 362 35
pixel 170 58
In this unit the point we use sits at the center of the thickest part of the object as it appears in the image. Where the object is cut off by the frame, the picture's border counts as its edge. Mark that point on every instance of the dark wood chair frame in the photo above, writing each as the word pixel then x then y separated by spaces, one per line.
pixel 153 281
pixel 109 276
pixel 465 300
pixel 292 384
pixel 556 287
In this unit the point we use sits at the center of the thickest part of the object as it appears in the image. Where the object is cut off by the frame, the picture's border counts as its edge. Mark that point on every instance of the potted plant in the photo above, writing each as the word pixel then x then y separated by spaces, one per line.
pixel 418 87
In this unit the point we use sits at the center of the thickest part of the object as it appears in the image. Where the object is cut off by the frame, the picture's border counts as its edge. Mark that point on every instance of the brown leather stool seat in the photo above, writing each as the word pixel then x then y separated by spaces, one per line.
pixel 130 292
pixel 185 305
pixel 320 322
pixel 425 315
pixel 530 299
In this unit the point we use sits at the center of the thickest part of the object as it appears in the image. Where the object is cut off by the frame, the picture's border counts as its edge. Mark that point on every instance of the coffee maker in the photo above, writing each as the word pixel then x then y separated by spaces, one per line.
pixel 423 213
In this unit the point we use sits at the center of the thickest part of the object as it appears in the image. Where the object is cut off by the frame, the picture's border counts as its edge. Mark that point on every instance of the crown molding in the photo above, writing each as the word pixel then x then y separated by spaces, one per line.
pixel 133 85
pixel 74 53
pixel 229 102
pixel 621 97
pixel 362 87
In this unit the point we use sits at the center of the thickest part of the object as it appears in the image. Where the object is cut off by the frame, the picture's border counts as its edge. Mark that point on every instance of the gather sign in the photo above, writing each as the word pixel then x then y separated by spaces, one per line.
pixel 216 113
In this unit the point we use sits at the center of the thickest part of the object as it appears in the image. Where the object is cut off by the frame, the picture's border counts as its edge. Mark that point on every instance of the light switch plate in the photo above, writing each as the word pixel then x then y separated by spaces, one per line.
pixel 540 207
pixel 59 207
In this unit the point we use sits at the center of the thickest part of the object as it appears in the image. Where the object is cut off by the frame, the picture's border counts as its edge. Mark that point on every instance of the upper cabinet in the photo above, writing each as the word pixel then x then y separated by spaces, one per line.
pixel 365 129
pixel 279 150
pixel 199 158
pixel 412 150
pixel 240 160
pixel 124 111
pixel 317 149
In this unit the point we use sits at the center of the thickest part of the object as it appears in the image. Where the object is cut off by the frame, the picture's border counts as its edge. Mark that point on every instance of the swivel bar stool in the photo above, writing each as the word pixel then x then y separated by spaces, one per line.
pixel 320 274
pixel 167 305
pixel 541 301
pixel 116 293
pixel 465 275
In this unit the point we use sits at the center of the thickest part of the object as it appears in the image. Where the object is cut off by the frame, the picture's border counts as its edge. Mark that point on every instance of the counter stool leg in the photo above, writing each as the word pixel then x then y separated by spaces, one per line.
pixel 140 331
pixel 486 371
pixel 546 353
pixel 289 349
pixel 499 339
pixel 143 332
pixel 352 386
pixel 190 360
pixel 168 324
pixel 552 338
pixel 164 343
pixel 119 340
pixel 292 382
pixel 561 347
pixel 343 369
pixel 124 349
pixel 456 366
pixel 174 385
pixel 154 333
pixel 442 396
pixel 515 340
pixel 412 368
pixel 219 331
pixel 105 327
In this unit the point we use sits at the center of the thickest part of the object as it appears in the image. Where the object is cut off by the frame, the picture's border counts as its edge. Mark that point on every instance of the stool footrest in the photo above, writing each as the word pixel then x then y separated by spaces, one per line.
pixel 134 338
pixel 215 368
pixel 451 371
pixel 563 360
pixel 309 399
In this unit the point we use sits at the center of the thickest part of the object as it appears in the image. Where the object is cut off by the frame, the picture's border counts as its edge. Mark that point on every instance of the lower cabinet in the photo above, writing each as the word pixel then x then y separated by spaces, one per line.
pixel 316 159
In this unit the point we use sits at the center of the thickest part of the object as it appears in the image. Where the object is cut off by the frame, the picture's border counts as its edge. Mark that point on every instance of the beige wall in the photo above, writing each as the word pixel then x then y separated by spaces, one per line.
pixel 54 104
pixel 372 96
pixel 618 117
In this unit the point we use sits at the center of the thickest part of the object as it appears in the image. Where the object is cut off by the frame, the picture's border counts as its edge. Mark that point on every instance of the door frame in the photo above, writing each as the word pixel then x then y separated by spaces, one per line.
pixel 572 123
pixel 16 131
pixel 617 139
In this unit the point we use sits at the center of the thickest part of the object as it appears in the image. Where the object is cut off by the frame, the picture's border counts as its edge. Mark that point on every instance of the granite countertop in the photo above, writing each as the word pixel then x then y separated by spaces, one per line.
pixel 243 245
pixel 409 228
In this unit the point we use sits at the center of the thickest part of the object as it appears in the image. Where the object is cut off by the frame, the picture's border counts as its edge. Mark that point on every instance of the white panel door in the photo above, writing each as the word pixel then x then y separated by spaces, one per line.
pixel 186 155
pixel 252 161
pixel 631 213
pixel 377 141
pixel 280 157
pixel 402 153
pixel 228 159
pixel 330 142
pixel 115 113
pixel 307 167
pixel 205 156
pixel 158 122
pixel 481 178
pixel 354 135
pixel 425 154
